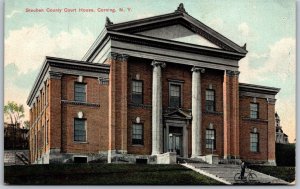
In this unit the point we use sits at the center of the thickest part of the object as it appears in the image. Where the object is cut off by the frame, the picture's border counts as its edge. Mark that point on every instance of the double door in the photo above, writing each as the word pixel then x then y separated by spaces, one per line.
pixel 175 143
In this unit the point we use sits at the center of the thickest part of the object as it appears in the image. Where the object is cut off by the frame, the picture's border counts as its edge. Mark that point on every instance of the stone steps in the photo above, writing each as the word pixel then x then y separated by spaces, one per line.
pixel 225 173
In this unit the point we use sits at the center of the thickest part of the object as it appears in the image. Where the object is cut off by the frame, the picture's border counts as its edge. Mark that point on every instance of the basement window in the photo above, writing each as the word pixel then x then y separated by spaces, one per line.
pixel 80 159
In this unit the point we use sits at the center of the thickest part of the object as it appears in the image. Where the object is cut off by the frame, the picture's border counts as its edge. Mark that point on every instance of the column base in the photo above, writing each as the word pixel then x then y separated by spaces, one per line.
pixel 110 155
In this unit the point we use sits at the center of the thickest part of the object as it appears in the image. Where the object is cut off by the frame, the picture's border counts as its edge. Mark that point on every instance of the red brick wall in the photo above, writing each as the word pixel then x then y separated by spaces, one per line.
pixel 96 117
pixel 55 113
pixel 271 131
pixel 247 125
pixel 144 69
pixel 39 114
pixel 173 72
pixel 215 78
pixel 117 103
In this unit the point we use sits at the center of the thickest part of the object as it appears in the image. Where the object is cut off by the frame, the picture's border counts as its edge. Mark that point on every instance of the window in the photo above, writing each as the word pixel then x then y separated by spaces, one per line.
pixel 254 111
pixel 210 100
pixel 80 92
pixel 175 95
pixel 210 139
pixel 137 134
pixel 137 92
pixel 79 130
pixel 253 142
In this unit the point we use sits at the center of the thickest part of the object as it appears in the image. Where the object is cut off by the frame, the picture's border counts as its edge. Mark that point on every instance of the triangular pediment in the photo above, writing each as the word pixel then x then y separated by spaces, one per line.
pixel 178 114
pixel 179 33
pixel 178 26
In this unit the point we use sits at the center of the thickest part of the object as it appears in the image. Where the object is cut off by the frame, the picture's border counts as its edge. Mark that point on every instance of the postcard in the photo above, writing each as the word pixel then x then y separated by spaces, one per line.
pixel 122 92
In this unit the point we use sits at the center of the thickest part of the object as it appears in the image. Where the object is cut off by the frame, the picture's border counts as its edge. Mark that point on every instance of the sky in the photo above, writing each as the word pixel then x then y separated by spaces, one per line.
pixel 267 26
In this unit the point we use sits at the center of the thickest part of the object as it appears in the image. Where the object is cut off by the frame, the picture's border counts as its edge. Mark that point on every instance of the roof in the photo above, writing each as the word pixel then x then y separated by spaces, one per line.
pixel 258 88
pixel 51 62
pixel 179 16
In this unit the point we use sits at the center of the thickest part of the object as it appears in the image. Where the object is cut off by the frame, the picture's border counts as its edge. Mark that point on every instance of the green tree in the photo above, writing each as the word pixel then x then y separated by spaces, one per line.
pixel 14 112
pixel 26 124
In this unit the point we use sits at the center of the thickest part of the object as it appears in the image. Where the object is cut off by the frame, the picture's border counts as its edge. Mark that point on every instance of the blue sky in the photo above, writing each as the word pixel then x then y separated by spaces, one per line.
pixel 267 26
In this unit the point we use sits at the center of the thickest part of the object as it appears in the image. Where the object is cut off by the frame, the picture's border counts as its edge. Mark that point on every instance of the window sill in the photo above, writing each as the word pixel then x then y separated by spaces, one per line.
pixel 137 145
pixel 213 112
pixel 79 103
pixel 139 105
pixel 77 142
pixel 253 119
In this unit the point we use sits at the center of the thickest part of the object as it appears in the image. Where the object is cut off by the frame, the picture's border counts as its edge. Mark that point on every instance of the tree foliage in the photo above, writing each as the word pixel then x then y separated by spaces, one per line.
pixel 14 112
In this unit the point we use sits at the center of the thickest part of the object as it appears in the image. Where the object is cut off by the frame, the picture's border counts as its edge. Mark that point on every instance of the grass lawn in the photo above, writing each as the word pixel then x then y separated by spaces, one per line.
pixel 103 174
pixel 284 173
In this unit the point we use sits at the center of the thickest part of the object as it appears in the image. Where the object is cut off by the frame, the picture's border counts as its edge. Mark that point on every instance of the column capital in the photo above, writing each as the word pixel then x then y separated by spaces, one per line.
pixel 198 69
pixel 232 73
pixel 156 63
pixel 119 57
pixel 55 75
pixel 271 101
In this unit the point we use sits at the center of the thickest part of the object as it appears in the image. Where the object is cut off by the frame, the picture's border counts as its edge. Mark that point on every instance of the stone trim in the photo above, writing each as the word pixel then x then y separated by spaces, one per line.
pixel 198 69
pixel 232 73
pixel 145 106
pixel 254 120
pixel 271 101
pixel 174 45
pixel 156 63
pixel 214 113
pixel 80 103
pixel 118 56
pixel 54 67
pixel 55 75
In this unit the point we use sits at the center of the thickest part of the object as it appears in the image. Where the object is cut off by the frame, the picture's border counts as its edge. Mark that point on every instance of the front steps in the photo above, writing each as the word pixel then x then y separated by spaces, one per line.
pixel 225 173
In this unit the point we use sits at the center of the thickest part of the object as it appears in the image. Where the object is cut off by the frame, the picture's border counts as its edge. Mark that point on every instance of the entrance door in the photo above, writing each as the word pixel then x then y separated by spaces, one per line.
pixel 175 140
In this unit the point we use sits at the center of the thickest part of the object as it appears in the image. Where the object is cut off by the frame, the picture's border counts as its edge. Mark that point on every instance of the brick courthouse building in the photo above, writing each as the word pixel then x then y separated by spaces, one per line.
pixel 147 87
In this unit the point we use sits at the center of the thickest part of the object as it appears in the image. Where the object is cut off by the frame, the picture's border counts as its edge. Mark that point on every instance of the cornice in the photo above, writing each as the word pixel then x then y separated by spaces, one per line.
pixel 54 62
pixel 174 45
pixel 258 89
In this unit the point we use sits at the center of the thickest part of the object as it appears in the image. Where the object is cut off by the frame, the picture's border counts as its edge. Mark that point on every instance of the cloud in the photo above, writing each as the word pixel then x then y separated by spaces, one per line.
pixel 14 12
pixel 25 50
pixel 244 29
pixel 217 24
pixel 28 46
pixel 280 62
pixel 276 68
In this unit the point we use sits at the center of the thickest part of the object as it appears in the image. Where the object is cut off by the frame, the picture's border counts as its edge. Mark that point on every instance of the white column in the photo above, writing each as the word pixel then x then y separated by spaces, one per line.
pixel 157 127
pixel 196 111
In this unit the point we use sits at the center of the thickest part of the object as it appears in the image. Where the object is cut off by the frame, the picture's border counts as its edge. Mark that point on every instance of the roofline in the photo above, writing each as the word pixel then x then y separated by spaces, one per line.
pixel 265 89
pixel 128 24
pixel 61 62
pixel 214 33
pixel 161 18
pixel 168 43
pixel 172 16
pixel 94 46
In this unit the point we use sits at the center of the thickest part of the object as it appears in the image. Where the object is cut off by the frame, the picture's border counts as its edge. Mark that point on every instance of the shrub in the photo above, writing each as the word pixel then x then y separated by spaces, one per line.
pixel 285 154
